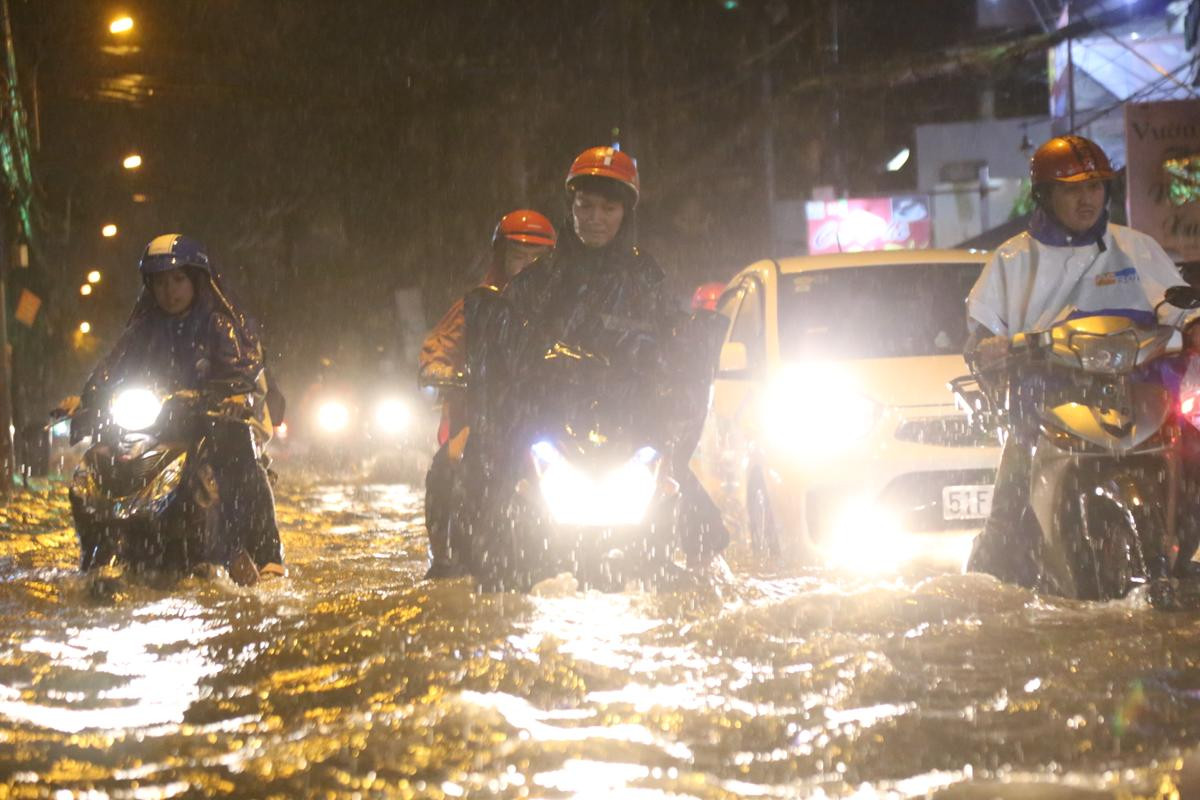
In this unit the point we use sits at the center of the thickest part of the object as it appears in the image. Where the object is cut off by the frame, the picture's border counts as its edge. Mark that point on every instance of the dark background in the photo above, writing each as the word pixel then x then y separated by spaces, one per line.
pixel 330 152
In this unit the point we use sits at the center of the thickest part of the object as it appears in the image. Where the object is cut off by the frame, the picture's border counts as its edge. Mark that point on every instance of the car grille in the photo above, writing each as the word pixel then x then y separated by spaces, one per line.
pixel 916 499
pixel 948 431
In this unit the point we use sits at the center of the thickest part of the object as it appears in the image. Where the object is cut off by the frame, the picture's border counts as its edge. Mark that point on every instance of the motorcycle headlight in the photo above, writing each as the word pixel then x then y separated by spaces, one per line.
pixel 333 416
pixel 392 417
pixel 136 409
pixel 622 497
pixel 815 407
pixel 155 497
pixel 1107 354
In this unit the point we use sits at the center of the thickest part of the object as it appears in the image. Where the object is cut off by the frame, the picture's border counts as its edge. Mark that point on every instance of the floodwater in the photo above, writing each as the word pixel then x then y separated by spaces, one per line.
pixel 354 678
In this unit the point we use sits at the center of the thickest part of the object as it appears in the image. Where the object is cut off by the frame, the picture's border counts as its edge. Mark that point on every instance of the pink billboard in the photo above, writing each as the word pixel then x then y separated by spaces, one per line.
pixel 868 223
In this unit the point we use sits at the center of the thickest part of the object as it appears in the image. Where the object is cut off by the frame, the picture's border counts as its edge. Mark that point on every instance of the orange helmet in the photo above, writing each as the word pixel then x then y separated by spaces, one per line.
pixel 525 226
pixel 606 162
pixel 706 296
pixel 1069 159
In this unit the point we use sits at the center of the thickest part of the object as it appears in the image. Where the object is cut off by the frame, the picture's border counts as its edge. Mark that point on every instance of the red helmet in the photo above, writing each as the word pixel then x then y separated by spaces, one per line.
pixel 1069 159
pixel 606 162
pixel 525 226
pixel 706 296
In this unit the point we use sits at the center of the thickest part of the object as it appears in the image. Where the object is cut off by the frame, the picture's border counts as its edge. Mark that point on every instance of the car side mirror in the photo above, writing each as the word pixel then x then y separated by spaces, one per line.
pixel 1183 297
pixel 733 358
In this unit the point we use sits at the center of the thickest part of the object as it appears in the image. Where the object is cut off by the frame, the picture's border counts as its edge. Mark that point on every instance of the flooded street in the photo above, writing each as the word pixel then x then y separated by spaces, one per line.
pixel 353 678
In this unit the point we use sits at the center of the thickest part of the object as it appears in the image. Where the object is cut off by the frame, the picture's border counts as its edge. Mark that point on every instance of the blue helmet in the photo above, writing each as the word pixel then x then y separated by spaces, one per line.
pixel 172 251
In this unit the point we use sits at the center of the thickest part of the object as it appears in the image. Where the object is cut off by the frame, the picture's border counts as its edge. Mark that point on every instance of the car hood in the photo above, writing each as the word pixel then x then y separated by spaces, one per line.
pixel 908 382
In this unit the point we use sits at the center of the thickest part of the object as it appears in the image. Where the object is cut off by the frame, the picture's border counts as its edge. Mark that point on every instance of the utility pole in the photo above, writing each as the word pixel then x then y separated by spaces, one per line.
pixel 768 140
pixel 6 416
pixel 1070 74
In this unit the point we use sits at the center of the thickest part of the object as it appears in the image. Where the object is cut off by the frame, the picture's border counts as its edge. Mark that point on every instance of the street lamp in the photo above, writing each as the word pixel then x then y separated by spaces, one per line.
pixel 108 231
pixel 86 289
pixel 132 161
pixel 85 327
pixel 94 276
pixel 121 25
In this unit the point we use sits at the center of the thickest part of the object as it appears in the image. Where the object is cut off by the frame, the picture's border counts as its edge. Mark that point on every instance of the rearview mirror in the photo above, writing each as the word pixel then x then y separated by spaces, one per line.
pixel 733 357
pixel 1183 297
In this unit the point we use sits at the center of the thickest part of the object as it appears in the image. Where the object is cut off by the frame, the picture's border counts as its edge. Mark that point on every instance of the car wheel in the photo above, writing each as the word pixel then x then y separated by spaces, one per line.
pixel 764 533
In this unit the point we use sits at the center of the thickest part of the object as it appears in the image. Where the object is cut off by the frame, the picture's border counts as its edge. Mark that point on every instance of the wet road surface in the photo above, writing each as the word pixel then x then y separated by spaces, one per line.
pixel 354 678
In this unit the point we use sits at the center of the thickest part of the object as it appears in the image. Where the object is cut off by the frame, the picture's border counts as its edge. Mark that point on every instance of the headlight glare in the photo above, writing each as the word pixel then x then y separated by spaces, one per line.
pixel 136 409
pixel 815 407
pixel 392 417
pixel 333 416
pixel 622 497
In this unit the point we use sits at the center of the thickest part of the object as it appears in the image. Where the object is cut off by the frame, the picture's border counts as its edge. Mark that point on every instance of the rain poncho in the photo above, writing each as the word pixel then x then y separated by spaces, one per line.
pixel 211 345
pixel 443 353
pixel 613 302
pixel 1028 285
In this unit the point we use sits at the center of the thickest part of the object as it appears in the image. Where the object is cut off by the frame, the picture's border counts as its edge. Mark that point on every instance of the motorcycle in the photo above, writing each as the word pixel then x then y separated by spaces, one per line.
pixel 1106 458
pixel 567 472
pixel 143 495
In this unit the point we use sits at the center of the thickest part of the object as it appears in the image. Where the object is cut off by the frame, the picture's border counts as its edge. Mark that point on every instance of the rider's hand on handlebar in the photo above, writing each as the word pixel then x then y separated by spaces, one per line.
pixel 992 350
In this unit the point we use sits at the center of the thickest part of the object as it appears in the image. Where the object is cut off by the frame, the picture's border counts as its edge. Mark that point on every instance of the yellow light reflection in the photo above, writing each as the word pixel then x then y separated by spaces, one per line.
pixel 152 670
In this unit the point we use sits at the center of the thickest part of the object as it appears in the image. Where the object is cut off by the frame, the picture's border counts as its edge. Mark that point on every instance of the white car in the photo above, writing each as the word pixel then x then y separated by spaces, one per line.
pixel 832 436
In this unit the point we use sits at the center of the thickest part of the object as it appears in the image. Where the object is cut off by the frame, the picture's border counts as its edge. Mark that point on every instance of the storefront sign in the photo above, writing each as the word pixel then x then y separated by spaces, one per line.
pixel 868 223
pixel 1162 140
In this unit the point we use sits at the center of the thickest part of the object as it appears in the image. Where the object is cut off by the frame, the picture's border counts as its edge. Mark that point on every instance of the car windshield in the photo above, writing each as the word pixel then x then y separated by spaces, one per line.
pixel 875 312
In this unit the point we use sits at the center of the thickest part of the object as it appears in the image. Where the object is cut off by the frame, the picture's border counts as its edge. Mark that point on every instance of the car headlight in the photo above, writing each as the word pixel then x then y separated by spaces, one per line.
pixel 136 409
pixel 1108 354
pixel 622 497
pixel 815 407
pixel 333 416
pixel 392 417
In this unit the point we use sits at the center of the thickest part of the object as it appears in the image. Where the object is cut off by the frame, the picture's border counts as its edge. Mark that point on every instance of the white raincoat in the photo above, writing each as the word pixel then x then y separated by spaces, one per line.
pixel 1027 286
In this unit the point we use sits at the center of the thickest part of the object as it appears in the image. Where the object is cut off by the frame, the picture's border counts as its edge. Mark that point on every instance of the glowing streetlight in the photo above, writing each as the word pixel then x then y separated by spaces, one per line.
pixel 132 161
pixel 94 276
pixel 108 231
pixel 121 25
pixel 85 327
pixel 86 289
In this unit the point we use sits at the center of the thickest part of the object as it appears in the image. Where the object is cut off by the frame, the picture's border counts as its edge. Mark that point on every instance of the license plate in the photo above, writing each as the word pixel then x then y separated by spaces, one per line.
pixel 966 502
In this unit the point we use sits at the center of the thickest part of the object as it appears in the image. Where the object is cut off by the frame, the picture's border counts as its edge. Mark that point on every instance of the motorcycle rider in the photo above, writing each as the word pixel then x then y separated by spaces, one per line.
pixel 184 333
pixel 599 292
pixel 520 237
pixel 1071 259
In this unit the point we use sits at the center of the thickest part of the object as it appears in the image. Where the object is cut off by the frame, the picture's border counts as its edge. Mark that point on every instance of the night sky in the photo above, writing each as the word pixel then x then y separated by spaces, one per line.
pixel 330 152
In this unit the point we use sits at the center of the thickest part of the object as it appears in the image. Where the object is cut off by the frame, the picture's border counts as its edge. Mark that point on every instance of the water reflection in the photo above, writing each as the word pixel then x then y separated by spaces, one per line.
pixel 355 678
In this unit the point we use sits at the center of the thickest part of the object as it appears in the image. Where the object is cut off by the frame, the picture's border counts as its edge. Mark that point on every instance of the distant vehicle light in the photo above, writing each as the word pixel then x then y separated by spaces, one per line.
pixel 333 416
pixel 392 417
pixel 281 430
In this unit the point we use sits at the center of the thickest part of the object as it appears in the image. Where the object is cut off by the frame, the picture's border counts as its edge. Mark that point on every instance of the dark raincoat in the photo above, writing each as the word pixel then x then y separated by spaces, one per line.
pixel 213 347
pixel 613 301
